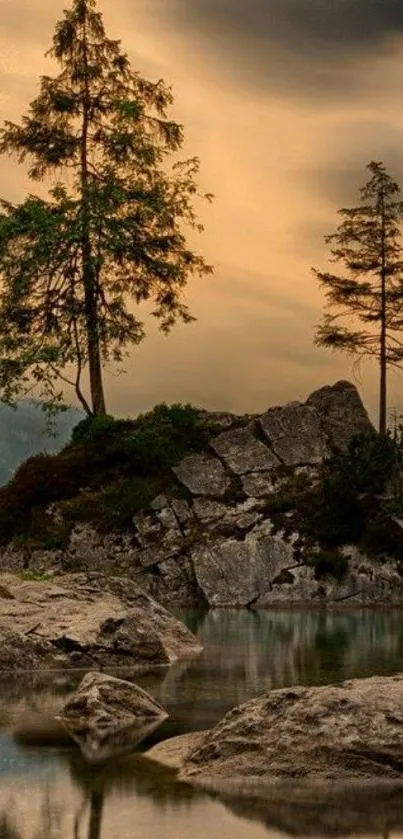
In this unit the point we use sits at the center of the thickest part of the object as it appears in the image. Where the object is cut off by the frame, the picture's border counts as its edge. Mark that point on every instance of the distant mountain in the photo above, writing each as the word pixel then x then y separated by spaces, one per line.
pixel 23 434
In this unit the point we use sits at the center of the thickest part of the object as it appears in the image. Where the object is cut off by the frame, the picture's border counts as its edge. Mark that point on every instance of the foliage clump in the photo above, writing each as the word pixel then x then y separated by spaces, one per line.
pixel 328 562
pixel 109 471
pixel 113 230
pixel 364 305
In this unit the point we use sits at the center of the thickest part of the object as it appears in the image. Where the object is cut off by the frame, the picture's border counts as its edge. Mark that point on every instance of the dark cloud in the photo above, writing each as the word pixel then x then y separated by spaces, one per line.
pixel 291 44
pixel 328 24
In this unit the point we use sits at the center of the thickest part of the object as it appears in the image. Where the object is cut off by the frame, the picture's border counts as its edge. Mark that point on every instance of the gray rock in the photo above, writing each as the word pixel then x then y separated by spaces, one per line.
pixel 168 519
pixel 148 529
pixel 237 573
pixel 295 434
pixel 208 511
pixel 242 452
pixel 182 510
pixel 258 484
pixel 86 620
pixel 203 475
pixel 341 412
pixel 173 752
pixel 297 587
pixel 176 584
pixel 105 713
pixel 159 502
pixel 347 733
pixel 219 419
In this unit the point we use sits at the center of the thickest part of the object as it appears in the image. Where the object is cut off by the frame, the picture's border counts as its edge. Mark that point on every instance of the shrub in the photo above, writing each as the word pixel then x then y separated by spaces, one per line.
pixel 99 429
pixel 328 562
pixel 103 453
pixel 162 437
pixel 338 510
pixel 366 467
pixel 113 507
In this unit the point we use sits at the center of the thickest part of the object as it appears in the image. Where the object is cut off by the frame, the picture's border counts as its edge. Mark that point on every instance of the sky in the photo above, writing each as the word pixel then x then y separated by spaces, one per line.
pixel 285 102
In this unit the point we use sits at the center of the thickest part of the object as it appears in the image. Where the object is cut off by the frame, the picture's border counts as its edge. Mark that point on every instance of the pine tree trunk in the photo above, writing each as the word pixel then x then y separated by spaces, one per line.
pixel 94 356
pixel 383 313
pixel 89 279
pixel 382 386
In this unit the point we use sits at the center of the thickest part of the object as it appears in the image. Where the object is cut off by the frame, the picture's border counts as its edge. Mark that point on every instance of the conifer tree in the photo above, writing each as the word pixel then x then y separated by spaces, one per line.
pixel 366 304
pixel 111 233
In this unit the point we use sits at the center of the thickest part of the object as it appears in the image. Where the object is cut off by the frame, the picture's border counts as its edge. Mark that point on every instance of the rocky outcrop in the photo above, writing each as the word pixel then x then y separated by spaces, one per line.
pixel 214 538
pixel 235 572
pixel 346 733
pixel 295 434
pixel 203 475
pixel 339 409
pixel 106 714
pixel 86 620
pixel 242 452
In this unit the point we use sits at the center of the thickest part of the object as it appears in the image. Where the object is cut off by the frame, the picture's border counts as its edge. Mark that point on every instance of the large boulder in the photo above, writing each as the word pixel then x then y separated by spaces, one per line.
pixel 86 620
pixel 106 714
pixel 346 733
pixel 341 412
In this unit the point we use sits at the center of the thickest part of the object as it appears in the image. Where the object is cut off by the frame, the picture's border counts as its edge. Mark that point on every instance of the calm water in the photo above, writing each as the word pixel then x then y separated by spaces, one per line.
pixel 48 792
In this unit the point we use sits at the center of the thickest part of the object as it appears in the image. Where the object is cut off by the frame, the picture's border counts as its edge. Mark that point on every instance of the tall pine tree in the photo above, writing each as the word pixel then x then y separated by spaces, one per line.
pixel 112 232
pixel 366 304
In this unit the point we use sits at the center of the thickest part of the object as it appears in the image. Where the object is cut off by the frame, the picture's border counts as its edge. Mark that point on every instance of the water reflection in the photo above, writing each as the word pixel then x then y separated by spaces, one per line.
pixel 246 653
pixel 49 793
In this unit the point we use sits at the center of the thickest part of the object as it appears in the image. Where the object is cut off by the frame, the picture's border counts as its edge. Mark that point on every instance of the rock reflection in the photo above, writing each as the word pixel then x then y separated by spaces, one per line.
pixel 51 792
pixel 376 810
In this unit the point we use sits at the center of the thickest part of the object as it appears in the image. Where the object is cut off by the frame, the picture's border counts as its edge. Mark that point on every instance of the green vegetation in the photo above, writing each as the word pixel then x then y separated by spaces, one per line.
pixel 328 562
pixel 36 577
pixel 365 305
pixel 352 501
pixel 109 471
pixel 113 231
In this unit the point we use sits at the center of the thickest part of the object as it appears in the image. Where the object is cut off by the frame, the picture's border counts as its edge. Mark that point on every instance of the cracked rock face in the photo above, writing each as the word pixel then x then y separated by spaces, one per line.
pixel 295 434
pixel 236 573
pixel 242 452
pixel 203 475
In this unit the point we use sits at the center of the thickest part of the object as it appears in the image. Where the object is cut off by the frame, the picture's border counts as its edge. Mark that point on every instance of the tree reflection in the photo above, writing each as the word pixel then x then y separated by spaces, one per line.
pixel 7 830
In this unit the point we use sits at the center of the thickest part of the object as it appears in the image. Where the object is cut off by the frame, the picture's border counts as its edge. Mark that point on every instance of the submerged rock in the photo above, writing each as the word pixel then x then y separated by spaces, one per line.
pixel 87 620
pixel 106 715
pixel 346 733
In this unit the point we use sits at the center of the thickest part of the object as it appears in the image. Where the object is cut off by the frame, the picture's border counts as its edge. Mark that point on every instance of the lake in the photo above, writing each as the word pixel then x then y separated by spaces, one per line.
pixel 48 791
